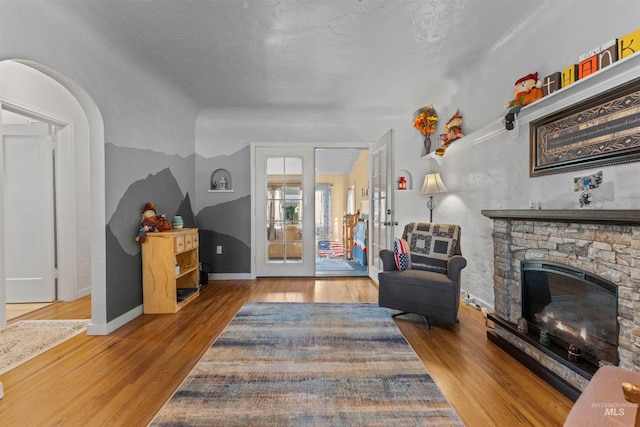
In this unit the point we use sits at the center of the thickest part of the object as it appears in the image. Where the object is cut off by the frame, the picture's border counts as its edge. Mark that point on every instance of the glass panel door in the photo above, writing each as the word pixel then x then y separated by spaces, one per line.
pixel 284 211
pixel 382 222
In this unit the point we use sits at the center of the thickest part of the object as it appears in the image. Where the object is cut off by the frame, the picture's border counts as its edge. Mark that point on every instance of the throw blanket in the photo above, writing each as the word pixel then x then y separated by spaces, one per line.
pixel 360 243
pixel 431 245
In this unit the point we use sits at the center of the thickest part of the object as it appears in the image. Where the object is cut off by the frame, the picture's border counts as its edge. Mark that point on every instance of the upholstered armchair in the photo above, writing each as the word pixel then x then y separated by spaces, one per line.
pixel 422 276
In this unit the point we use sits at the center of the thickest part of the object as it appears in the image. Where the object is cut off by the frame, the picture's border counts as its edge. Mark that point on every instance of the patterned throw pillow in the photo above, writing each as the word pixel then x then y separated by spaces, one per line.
pixel 401 254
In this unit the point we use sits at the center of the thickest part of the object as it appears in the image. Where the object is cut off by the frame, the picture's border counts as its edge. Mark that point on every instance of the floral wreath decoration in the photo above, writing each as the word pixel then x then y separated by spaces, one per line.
pixel 426 120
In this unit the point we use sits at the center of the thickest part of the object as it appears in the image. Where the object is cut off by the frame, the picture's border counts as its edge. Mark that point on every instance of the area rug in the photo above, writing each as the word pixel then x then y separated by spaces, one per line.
pixel 26 339
pixel 332 264
pixel 303 364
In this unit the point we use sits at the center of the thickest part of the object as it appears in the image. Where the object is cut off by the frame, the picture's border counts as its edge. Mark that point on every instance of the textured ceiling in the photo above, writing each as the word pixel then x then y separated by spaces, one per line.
pixel 326 54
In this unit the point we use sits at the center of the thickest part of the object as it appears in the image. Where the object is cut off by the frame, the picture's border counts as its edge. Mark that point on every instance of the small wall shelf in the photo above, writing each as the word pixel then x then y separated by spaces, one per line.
pixel 407 175
pixel 613 75
pixel 221 182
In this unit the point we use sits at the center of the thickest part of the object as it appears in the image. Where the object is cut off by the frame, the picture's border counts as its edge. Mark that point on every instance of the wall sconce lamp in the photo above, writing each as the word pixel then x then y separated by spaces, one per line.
pixel 432 185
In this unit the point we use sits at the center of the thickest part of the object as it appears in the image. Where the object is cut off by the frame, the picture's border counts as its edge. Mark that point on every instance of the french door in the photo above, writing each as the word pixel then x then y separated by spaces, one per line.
pixel 284 211
pixel 381 167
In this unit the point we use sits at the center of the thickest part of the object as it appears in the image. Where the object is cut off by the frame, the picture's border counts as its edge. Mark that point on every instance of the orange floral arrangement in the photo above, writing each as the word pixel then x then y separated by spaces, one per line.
pixel 426 120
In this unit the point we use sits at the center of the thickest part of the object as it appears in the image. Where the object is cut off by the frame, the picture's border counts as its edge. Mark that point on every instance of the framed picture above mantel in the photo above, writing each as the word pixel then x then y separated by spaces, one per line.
pixel 601 130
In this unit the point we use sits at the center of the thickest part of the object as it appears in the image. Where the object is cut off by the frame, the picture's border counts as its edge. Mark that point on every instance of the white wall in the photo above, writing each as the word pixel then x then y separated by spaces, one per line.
pixel 222 132
pixel 24 87
pixel 140 107
pixel 143 109
pixel 129 104
pixel 494 174
pixel 490 175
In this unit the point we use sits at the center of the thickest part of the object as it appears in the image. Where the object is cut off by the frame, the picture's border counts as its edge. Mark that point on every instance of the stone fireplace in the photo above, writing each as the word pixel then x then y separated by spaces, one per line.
pixel 603 243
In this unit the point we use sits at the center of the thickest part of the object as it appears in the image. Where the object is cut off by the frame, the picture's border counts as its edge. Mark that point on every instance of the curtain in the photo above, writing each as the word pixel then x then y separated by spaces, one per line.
pixel 323 211
pixel 274 193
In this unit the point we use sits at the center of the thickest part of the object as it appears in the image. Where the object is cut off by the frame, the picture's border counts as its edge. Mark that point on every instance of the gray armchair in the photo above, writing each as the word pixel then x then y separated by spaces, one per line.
pixel 431 286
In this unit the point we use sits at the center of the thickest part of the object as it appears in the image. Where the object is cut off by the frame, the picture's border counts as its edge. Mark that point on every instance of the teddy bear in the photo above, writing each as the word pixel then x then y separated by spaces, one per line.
pixel 527 90
pixel 454 131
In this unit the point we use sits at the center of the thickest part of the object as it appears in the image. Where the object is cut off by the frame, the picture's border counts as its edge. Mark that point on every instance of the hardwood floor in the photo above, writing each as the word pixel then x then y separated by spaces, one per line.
pixel 124 378
pixel 18 310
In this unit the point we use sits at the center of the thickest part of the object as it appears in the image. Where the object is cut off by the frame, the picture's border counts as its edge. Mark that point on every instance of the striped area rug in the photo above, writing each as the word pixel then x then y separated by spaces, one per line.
pixel 304 364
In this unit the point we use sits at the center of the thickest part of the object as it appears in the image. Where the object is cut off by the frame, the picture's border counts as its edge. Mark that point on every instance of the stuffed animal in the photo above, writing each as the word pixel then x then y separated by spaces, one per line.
pixel 526 90
pixel 454 131
pixel 148 223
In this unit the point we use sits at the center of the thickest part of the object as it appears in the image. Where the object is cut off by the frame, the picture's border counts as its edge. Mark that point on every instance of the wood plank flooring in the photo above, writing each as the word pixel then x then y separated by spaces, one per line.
pixel 20 309
pixel 124 378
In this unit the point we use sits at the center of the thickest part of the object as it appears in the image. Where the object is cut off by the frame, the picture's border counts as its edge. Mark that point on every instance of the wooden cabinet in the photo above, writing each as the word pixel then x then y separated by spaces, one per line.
pixel 170 276
pixel 348 227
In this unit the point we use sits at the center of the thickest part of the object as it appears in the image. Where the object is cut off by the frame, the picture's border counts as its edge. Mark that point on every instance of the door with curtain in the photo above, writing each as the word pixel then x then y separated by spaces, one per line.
pixel 382 221
pixel 284 211
pixel 29 213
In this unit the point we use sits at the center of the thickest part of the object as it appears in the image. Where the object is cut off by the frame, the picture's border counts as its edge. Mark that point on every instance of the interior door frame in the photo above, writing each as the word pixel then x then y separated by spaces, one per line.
pixel 254 177
pixel 64 198
pixel 289 266
pixel 388 221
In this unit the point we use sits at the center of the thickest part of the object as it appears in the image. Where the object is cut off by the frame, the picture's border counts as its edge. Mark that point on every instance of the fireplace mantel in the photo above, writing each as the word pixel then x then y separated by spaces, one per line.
pixel 592 216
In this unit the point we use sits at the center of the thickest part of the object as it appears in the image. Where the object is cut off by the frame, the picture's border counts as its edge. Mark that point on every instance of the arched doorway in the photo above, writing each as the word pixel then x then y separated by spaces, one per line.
pixel 80 203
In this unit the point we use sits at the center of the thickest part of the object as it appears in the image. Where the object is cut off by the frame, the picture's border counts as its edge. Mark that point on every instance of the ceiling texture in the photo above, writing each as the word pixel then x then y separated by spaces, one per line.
pixel 336 55
pixel 322 54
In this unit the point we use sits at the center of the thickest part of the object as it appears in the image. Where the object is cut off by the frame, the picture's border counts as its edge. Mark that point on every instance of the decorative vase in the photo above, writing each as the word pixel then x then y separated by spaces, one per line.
pixel 427 144
pixel 177 222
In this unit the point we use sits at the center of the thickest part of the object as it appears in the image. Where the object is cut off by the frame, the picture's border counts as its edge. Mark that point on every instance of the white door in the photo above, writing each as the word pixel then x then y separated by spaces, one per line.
pixel 381 198
pixel 284 214
pixel 29 213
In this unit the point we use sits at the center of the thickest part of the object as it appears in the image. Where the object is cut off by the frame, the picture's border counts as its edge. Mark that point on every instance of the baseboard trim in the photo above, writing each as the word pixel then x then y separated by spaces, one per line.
pixel 107 328
pixel 230 276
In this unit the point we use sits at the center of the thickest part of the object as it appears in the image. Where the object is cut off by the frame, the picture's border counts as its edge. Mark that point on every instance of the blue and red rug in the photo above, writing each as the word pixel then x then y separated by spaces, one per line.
pixel 301 364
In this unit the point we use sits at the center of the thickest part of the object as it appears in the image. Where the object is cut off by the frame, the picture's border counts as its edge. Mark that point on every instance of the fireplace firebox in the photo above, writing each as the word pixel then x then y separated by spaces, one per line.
pixel 576 308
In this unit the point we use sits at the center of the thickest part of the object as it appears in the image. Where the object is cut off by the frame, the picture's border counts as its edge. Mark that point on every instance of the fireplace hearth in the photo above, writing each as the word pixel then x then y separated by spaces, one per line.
pixel 591 256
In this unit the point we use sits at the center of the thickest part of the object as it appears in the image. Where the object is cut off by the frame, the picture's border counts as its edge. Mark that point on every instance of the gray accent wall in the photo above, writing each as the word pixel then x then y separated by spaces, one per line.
pixel 124 263
pixel 224 219
pixel 227 225
pixel 130 165
pixel 124 276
